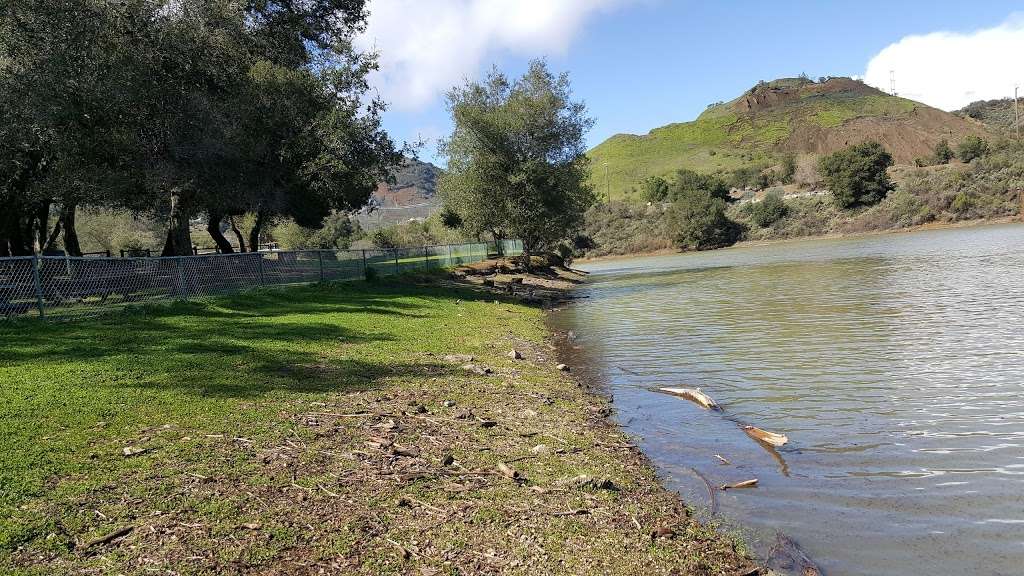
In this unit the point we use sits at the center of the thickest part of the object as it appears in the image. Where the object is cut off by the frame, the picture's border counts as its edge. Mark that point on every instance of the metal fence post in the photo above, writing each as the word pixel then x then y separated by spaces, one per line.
pixel 451 261
pixel 259 262
pixel 396 260
pixel 39 285
pixel 320 255
pixel 181 278
pixel 426 258
pixel 364 264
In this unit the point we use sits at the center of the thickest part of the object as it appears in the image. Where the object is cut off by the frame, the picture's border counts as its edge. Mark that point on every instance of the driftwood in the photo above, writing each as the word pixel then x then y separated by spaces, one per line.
pixel 745 484
pixel 765 436
pixel 786 557
pixel 694 395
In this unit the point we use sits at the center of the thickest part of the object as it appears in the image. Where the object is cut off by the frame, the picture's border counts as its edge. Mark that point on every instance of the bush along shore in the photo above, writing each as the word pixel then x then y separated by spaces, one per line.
pixel 383 428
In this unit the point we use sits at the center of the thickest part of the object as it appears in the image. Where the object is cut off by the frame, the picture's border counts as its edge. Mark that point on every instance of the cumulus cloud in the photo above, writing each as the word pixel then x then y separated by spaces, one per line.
pixel 949 70
pixel 427 46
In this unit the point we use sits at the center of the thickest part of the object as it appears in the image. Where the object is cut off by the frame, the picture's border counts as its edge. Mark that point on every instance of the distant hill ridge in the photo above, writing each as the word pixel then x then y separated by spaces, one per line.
pixel 996 114
pixel 413 194
pixel 788 115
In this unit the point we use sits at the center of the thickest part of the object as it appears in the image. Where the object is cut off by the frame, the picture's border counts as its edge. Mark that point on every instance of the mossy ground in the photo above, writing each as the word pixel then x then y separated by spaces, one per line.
pixel 322 430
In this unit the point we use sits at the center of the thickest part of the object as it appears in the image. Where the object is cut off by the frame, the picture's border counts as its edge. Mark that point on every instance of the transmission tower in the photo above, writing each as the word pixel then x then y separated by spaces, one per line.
pixel 892 82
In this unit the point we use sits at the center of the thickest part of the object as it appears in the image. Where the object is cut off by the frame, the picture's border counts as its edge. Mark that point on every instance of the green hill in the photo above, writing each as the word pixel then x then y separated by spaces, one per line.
pixel 790 115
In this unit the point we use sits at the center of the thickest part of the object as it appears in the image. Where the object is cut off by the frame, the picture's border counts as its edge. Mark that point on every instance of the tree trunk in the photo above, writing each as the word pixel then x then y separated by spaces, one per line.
pixel 257 228
pixel 53 236
pixel 40 226
pixel 238 233
pixel 497 243
pixel 12 230
pixel 527 262
pixel 213 222
pixel 67 222
pixel 179 240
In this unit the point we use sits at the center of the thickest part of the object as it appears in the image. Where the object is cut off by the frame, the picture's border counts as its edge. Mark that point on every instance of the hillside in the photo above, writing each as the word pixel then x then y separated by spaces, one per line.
pixel 413 194
pixel 996 114
pixel 790 115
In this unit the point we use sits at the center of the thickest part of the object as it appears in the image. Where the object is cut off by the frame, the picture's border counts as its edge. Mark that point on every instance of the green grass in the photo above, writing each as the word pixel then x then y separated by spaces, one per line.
pixel 260 418
pixel 723 139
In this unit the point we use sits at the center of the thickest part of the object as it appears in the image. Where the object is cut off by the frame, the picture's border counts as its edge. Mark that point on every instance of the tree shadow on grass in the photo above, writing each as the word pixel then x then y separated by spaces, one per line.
pixel 240 346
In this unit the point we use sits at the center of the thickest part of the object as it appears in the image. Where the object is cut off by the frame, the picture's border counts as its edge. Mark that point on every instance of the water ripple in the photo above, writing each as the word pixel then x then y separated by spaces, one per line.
pixel 889 361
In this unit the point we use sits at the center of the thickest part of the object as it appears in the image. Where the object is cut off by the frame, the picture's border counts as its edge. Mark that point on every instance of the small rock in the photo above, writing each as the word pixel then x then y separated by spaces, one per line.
pixel 464 414
pixel 563 367
pixel 411 452
pixel 662 532
pixel 130 451
pixel 515 355
pixel 251 526
pixel 475 369
pixel 448 403
pixel 447 460
pixel 530 413
pixel 540 449
pixel 458 358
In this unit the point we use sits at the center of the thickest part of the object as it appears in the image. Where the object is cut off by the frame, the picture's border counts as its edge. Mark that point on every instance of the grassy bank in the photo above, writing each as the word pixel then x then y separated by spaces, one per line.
pixel 322 430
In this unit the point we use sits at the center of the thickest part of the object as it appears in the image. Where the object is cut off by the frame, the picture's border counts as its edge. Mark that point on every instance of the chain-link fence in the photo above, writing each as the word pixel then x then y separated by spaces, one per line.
pixel 68 287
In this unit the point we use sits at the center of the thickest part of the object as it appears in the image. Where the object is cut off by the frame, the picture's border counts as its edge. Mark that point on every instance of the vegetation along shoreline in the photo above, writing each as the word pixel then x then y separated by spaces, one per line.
pixel 367 428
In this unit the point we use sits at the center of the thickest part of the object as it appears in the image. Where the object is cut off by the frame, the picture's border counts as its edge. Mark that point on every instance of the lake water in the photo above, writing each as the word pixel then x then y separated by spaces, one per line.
pixel 894 363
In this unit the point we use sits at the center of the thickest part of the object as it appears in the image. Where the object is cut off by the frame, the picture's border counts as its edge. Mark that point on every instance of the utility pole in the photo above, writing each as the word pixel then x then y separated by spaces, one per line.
pixel 607 183
pixel 892 82
pixel 1016 111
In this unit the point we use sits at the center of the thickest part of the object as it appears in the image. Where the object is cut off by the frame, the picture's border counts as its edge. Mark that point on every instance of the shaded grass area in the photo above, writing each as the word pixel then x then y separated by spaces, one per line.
pixel 321 429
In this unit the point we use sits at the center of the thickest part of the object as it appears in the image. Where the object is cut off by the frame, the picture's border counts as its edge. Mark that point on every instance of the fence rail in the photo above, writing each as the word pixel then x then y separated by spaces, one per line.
pixel 68 287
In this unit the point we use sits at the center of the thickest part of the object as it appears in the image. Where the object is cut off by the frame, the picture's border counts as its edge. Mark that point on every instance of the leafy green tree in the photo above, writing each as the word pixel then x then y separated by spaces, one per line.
pixel 689 181
pixel 943 153
pixel 857 174
pixel 769 210
pixel 517 164
pixel 654 189
pixel 700 221
pixel 176 108
pixel 971 148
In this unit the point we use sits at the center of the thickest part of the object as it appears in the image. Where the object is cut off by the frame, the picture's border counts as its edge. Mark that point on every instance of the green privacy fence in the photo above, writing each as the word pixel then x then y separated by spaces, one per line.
pixel 68 287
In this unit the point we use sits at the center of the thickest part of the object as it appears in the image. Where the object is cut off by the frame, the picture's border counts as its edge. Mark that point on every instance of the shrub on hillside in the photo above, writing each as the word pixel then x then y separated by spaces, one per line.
pixel 699 222
pixel 769 210
pixel 687 181
pixel 971 148
pixel 788 169
pixel 654 189
pixel 943 153
pixel 857 174
pixel 621 228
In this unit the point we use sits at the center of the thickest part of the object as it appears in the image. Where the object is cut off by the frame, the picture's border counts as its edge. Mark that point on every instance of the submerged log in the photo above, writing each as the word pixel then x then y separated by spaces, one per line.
pixel 786 557
pixel 694 395
pixel 765 436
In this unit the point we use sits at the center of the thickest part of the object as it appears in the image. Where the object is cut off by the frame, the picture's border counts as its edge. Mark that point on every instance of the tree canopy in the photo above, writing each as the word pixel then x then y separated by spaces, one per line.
pixel 516 158
pixel 857 174
pixel 700 222
pixel 184 108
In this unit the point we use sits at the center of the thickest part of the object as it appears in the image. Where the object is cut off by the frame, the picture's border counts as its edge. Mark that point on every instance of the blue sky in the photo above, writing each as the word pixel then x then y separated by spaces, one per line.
pixel 644 63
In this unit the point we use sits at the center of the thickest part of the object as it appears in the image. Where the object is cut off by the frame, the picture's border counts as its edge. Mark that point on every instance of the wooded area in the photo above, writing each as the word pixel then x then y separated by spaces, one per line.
pixel 182 109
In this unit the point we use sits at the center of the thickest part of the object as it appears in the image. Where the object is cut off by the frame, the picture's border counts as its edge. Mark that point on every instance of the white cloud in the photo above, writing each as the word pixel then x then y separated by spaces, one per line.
pixel 428 46
pixel 949 70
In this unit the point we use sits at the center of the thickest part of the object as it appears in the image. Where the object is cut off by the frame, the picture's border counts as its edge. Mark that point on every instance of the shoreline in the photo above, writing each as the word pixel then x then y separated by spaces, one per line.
pixel 833 236
pixel 356 428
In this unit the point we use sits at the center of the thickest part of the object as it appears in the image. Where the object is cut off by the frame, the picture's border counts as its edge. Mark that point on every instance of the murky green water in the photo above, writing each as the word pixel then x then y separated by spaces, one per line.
pixel 895 364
